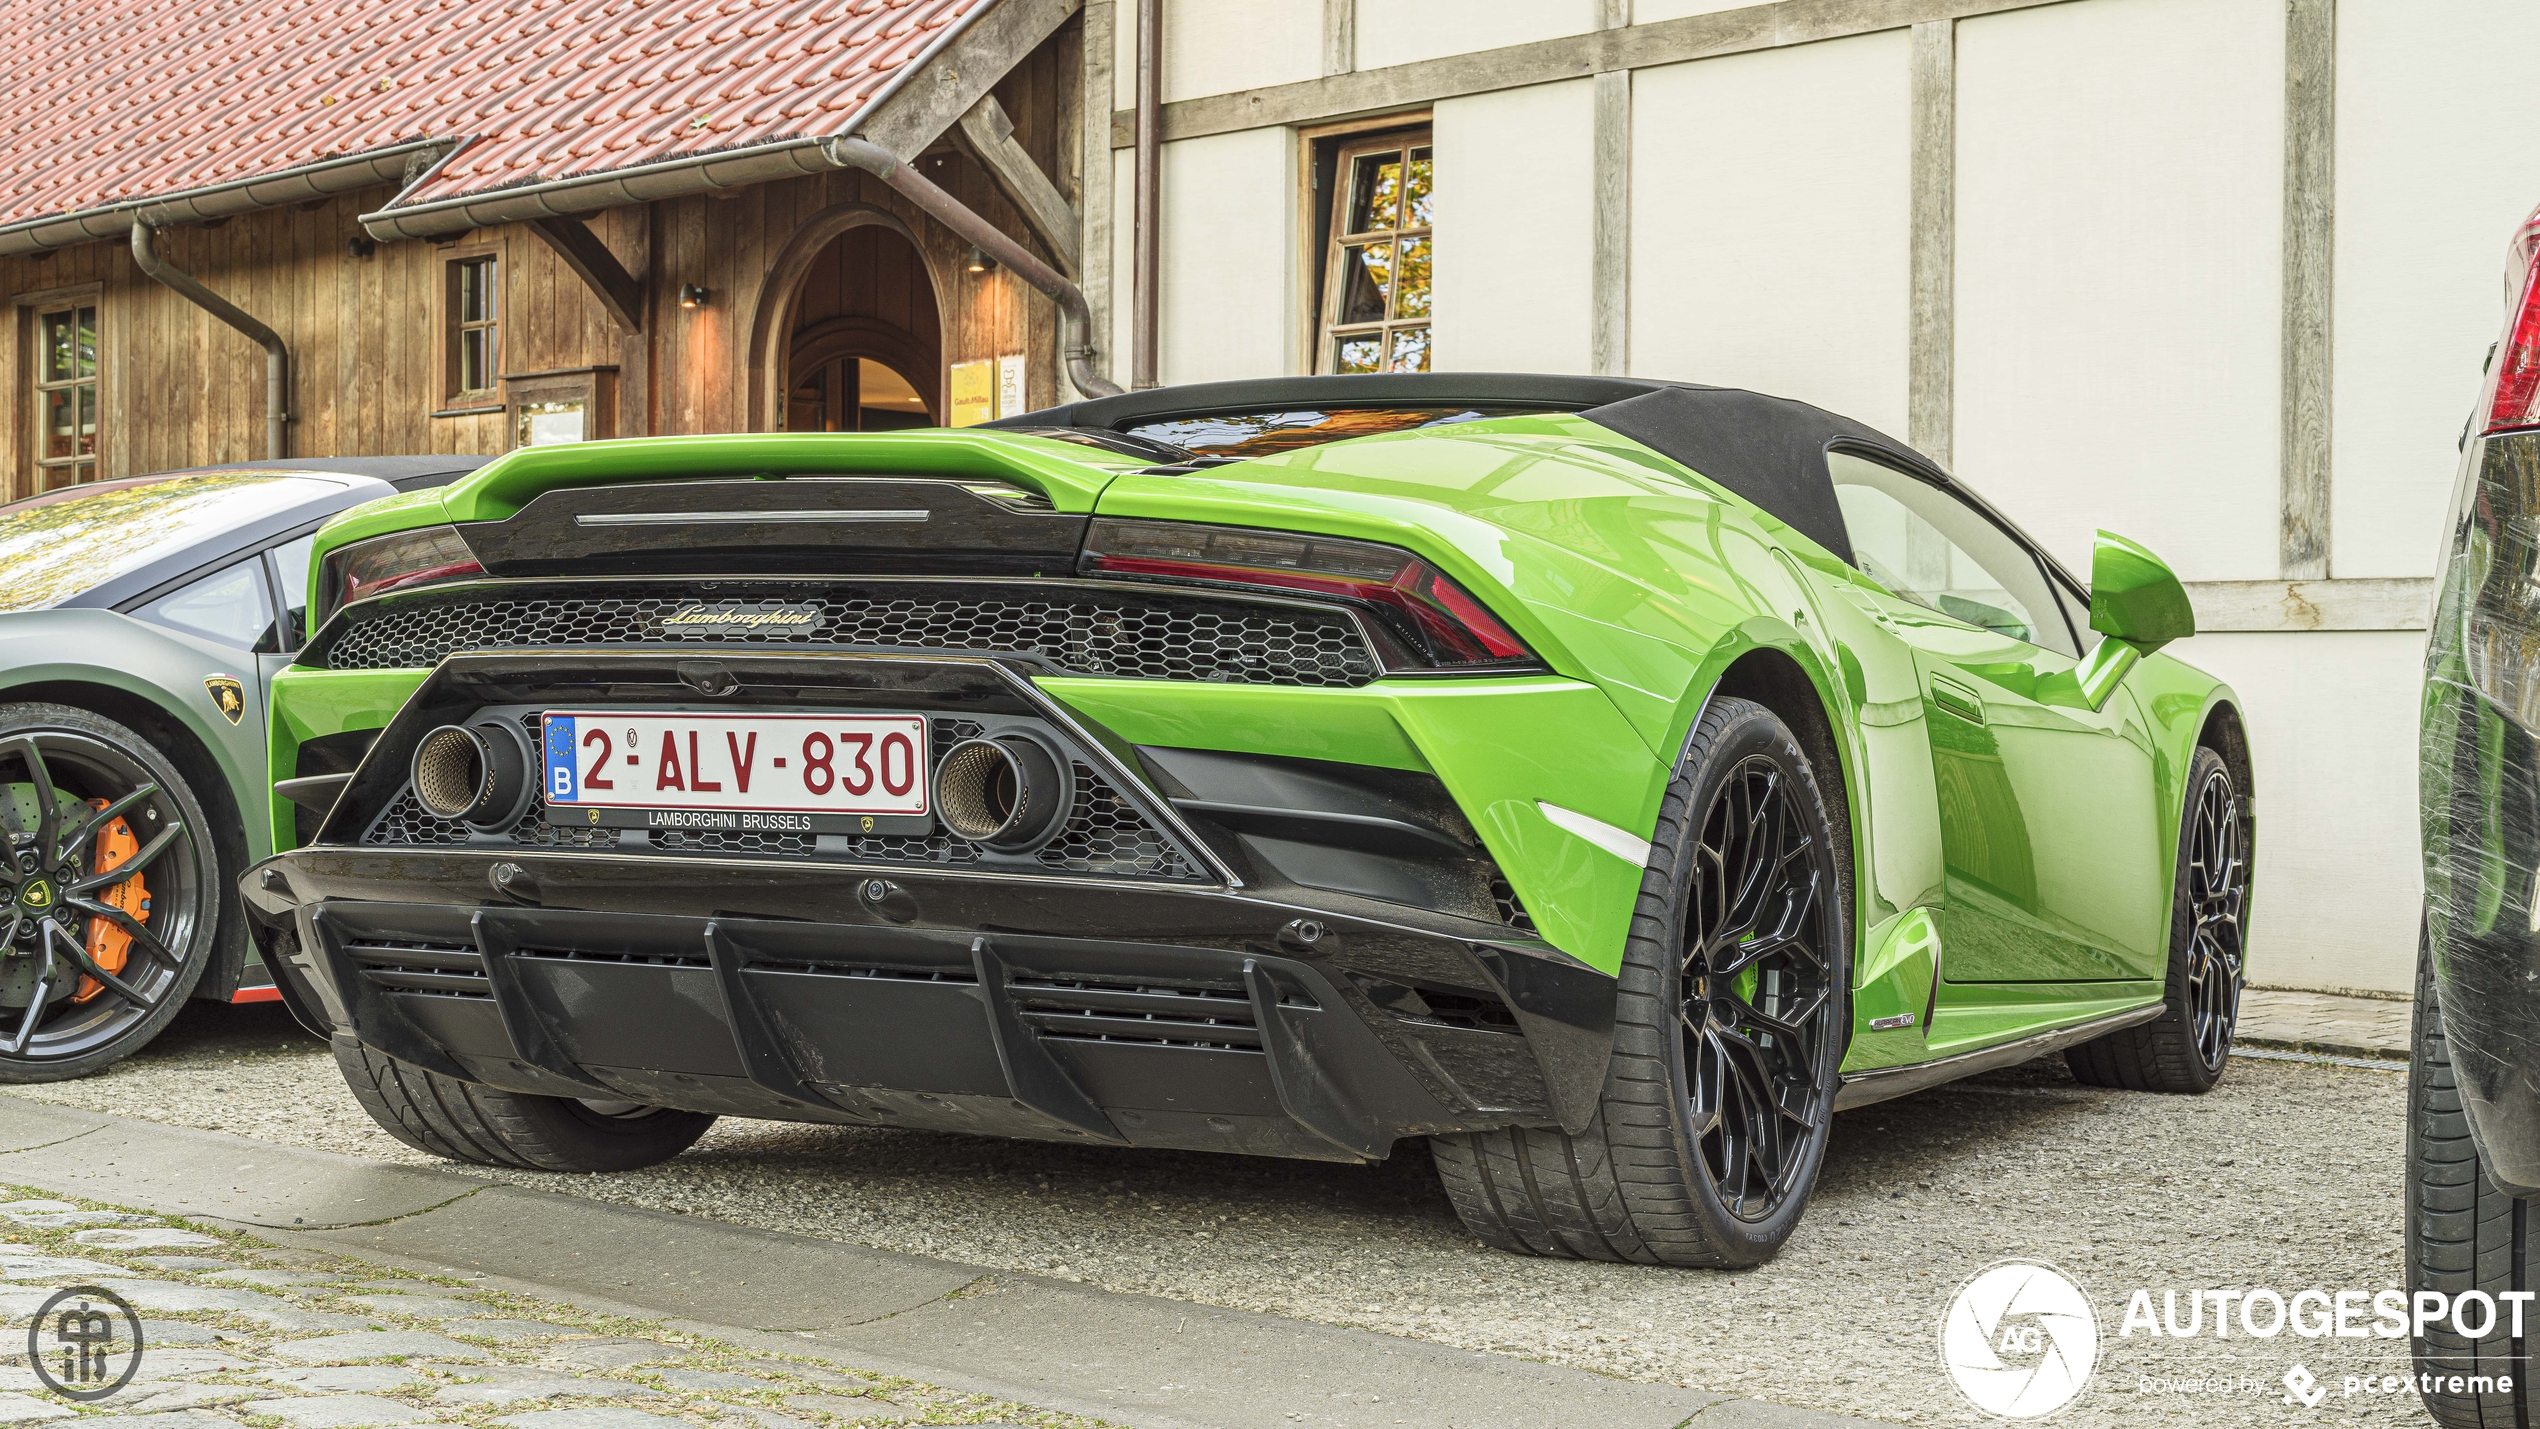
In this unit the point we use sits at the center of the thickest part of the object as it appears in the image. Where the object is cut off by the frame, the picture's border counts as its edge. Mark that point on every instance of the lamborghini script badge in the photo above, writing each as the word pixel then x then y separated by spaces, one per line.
pixel 228 696
pixel 734 618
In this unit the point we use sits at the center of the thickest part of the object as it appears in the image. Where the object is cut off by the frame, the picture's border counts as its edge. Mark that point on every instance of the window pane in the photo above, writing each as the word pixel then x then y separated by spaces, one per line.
pixel 87 418
pixel 1928 547
pixel 227 606
pixel 1366 278
pixel 2077 610
pixel 1375 192
pixel 1411 283
pixel 1415 198
pixel 476 359
pixel 291 567
pixel 1359 354
pixel 61 351
pixel 61 424
pixel 87 342
pixel 1410 350
pixel 476 291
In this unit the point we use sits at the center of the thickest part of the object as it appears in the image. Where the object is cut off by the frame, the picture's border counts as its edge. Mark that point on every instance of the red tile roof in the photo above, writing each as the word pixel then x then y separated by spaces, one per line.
pixel 124 99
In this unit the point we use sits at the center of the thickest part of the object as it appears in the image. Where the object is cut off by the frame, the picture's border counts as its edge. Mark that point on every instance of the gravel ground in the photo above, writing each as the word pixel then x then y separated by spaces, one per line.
pixel 2288 1176
pixel 243 1335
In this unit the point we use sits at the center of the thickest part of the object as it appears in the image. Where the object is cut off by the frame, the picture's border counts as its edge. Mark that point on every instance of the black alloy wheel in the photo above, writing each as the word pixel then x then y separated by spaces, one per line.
pixel 1729 1024
pixel 2187 1047
pixel 2217 893
pixel 1757 1010
pixel 110 885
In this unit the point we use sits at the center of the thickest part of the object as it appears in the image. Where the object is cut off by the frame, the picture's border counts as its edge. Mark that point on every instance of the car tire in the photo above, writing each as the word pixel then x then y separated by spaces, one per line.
pixel 2463 1234
pixel 2187 1047
pixel 1658 1176
pixel 86 756
pixel 472 1122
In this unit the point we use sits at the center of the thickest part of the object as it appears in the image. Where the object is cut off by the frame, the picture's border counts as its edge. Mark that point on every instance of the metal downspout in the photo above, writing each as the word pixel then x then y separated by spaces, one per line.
pixel 1146 262
pixel 1076 323
pixel 277 358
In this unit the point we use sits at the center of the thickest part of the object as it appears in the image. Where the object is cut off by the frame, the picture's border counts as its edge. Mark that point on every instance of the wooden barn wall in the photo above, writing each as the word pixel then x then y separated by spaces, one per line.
pixel 178 389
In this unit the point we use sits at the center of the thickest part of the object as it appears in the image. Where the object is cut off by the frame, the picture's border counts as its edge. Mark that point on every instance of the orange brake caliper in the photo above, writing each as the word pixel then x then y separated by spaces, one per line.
pixel 109 946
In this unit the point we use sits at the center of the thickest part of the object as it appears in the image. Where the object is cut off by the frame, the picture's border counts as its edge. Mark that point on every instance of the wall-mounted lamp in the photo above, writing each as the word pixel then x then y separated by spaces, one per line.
pixel 692 296
pixel 981 262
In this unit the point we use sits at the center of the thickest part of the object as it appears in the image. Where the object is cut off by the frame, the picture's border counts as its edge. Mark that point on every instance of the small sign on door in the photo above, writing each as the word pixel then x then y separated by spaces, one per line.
pixel 1010 399
pixel 974 393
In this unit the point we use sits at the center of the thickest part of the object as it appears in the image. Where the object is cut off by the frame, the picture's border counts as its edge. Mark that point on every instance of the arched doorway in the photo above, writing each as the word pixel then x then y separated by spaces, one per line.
pixel 849 330
pixel 865 342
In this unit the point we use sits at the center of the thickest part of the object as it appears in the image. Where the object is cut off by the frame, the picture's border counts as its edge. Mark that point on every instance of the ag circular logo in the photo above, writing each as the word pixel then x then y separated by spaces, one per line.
pixel 80 1361
pixel 2019 1340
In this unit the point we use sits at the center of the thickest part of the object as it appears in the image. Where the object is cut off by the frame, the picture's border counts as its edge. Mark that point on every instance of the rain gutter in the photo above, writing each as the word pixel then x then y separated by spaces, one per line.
pixel 301 184
pixel 277 358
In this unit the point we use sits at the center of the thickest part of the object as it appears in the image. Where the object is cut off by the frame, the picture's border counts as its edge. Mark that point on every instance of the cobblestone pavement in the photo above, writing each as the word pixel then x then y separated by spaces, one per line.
pixel 2326 1022
pixel 241 1335
pixel 2287 1176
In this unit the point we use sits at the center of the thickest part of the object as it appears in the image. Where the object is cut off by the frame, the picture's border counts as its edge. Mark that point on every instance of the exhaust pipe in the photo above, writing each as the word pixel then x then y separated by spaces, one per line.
pixel 477 774
pixel 1009 793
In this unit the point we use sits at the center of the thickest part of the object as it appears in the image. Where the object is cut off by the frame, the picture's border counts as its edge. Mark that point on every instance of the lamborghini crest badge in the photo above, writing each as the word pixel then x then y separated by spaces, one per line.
pixel 228 696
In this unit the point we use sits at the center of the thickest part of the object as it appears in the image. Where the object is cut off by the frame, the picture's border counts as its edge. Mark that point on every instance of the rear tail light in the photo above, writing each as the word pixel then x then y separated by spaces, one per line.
pixel 394 562
pixel 1420 609
pixel 2515 385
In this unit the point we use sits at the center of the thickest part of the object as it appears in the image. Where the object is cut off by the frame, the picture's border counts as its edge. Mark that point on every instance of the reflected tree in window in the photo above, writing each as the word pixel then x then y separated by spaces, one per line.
pixel 1376 289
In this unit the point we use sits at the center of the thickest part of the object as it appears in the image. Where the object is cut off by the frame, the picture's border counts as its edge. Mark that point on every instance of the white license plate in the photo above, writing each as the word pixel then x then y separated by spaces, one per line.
pixel 742 764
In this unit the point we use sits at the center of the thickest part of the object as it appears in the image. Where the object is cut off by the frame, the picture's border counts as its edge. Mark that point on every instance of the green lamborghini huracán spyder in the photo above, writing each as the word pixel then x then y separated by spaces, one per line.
pixel 1605 780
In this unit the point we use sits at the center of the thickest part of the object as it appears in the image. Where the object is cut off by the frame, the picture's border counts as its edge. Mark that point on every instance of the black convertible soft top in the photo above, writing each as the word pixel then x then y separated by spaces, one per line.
pixel 1770 450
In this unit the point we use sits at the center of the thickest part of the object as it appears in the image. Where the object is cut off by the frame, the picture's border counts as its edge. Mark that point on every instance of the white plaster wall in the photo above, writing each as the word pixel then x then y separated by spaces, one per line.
pixel 1392 32
pixel 1221 46
pixel 1513 230
pixel 1229 299
pixel 1769 224
pixel 2332 733
pixel 2120 181
pixel 2435 169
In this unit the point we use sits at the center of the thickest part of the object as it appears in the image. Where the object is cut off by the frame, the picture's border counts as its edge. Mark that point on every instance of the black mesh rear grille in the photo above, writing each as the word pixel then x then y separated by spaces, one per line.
pixel 1082 631
pixel 1105 834
pixel 1511 911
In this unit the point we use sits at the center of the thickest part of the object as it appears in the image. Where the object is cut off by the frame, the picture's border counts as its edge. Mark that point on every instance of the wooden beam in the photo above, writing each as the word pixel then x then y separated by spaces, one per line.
pixel 582 251
pixel 2310 227
pixel 1610 222
pixel 2393 603
pixel 934 99
pixel 1931 343
pixel 1340 36
pixel 1412 86
pixel 991 135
